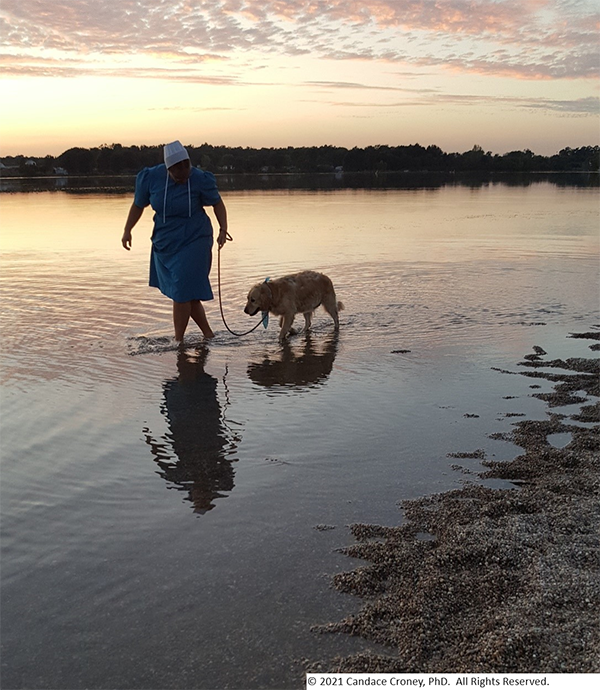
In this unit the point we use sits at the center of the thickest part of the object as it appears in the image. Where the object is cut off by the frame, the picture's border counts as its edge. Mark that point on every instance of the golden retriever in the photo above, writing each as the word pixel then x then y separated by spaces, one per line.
pixel 300 293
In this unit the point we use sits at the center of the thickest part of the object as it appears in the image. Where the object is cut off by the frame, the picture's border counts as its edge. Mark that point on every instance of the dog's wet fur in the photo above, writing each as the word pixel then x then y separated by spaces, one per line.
pixel 300 293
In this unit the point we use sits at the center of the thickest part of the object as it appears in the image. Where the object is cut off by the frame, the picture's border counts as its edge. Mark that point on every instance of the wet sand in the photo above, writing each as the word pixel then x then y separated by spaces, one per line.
pixel 493 580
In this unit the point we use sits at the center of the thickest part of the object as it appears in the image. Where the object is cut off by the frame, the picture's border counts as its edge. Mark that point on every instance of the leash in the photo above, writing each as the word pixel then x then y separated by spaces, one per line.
pixel 239 335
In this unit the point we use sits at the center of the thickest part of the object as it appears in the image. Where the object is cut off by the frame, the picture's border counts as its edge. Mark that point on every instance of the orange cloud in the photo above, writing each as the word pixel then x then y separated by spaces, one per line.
pixel 547 39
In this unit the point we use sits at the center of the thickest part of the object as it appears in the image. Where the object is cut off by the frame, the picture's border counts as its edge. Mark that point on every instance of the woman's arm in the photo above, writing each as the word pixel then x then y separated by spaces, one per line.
pixel 221 214
pixel 135 213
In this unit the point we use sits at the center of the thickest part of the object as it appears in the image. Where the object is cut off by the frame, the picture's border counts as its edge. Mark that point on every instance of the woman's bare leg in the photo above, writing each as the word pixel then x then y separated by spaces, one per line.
pixel 199 316
pixel 181 316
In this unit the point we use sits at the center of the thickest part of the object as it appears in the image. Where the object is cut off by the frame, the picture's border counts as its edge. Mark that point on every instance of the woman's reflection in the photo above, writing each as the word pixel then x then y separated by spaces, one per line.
pixel 196 454
pixel 305 368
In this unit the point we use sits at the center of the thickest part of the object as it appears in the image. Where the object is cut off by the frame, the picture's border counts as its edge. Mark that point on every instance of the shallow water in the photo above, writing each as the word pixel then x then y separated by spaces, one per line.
pixel 165 515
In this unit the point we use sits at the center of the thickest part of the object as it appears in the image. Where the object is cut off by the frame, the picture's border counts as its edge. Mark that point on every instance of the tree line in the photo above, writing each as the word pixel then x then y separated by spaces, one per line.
pixel 115 159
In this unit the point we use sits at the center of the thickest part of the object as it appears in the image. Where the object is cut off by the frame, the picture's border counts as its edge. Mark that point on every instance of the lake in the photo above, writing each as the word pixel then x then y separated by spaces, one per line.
pixel 170 518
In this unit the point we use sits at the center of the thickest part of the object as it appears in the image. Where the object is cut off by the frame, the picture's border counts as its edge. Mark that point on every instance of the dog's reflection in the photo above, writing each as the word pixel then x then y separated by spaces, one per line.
pixel 196 454
pixel 310 365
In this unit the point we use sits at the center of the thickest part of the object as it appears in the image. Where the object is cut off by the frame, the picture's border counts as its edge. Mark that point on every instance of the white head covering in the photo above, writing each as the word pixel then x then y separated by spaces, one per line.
pixel 175 153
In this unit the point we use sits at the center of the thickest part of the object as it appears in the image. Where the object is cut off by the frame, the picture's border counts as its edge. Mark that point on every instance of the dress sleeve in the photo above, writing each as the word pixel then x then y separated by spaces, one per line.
pixel 209 194
pixel 142 189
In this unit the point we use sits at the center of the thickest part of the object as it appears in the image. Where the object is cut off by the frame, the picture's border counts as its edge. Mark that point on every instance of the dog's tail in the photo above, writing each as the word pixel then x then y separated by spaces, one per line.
pixel 340 306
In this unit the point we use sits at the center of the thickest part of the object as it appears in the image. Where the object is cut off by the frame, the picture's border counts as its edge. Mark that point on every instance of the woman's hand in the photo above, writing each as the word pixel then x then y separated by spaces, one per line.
pixel 223 237
pixel 135 213
pixel 126 240
pixel 221 214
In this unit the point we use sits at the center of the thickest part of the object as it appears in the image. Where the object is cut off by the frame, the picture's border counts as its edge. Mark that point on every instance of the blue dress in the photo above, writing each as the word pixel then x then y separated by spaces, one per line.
pixel 182 239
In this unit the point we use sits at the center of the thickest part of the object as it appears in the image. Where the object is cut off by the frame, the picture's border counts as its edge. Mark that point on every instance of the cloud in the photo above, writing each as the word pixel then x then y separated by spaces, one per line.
pixel 358 85
pixel 529 39
pixel 574 107
pixel 32 66
pixel 583 106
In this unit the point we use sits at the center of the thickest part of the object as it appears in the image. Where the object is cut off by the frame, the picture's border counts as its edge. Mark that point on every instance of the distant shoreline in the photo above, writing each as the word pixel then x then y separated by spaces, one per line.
pixel 117 159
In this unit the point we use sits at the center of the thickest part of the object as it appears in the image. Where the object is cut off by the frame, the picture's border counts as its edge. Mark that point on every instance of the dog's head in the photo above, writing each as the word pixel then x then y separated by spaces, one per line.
pixel 259 299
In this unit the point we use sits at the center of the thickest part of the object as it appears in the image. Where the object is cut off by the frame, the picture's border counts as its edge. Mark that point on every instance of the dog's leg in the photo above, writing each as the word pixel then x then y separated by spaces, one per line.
pixel 286 323
pixel 330 306
pixel 307 320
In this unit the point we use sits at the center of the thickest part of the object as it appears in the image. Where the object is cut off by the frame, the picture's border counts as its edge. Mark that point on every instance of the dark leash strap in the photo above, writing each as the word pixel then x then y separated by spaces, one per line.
pixel 239 335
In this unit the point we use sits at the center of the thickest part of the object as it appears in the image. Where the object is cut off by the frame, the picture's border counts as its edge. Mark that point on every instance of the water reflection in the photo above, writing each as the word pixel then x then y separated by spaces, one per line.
pixel 124 184
pixel 308 367
pixel 197 453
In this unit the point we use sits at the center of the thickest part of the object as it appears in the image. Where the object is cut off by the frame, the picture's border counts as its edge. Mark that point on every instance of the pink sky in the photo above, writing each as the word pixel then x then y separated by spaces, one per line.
pixel 501 74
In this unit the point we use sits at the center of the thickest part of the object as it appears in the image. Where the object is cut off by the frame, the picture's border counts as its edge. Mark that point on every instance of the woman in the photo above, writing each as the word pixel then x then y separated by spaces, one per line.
pixel 182 239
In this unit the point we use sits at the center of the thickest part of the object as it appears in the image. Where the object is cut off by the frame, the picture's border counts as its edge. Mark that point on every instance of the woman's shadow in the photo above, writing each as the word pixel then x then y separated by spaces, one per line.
pixel 296 368
pixel 196 454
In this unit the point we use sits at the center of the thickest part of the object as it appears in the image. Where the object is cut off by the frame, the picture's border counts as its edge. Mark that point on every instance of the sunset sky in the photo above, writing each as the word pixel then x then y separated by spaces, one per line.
pixel 502 74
